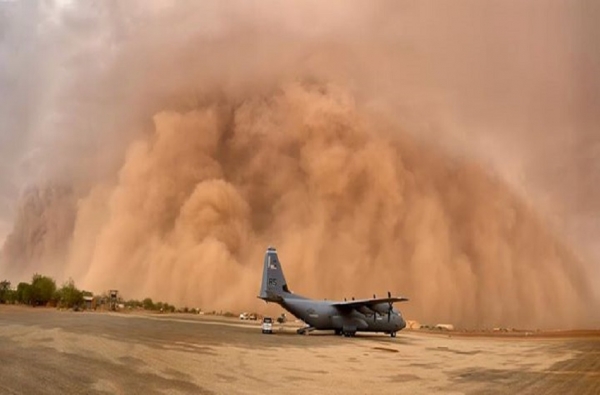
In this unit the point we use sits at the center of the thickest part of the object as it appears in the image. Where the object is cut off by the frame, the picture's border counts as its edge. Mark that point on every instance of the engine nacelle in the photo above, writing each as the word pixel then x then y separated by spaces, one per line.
pixel 365 310
pixel 382 308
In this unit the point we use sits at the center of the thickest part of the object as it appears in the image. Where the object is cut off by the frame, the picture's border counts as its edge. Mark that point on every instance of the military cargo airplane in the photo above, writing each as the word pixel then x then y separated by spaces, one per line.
pixel 344 317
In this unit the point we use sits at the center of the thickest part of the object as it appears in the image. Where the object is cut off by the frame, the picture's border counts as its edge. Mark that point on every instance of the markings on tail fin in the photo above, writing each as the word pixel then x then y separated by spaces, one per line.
pixel 272 263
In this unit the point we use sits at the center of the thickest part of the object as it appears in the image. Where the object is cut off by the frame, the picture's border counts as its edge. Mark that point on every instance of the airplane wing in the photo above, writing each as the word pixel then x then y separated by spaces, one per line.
pixel 353 304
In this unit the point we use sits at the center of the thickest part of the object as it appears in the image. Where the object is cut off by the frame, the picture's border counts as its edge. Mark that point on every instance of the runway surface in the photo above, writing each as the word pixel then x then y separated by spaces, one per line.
pixel 57 352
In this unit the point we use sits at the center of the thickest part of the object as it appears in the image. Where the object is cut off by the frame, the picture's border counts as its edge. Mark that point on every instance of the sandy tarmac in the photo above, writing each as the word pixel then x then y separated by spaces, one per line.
pixel 45 351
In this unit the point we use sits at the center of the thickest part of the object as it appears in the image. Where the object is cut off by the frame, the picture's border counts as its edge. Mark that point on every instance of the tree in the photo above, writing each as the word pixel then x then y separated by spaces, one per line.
pixel 147 303
pixel 11 296
pixel 23 293
pixel 133 304
pixel 4 291
pixel 69 296
pixel 43 289
pixel 168 308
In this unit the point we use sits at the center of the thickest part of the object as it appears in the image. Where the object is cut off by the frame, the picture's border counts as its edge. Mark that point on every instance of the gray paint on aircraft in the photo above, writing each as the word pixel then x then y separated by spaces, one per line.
pixel 344 317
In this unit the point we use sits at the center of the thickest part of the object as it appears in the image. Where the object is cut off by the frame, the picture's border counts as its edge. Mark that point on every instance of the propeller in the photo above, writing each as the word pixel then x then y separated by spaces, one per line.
pixel 391 306
pixel 374 312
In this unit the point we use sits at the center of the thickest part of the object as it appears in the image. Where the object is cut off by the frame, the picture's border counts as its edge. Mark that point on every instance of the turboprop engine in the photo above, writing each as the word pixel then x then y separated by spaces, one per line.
pixel 382 308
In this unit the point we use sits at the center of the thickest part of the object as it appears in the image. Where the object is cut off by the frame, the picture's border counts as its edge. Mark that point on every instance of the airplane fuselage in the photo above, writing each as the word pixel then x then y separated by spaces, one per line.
pixel 323 315
pixel 347 317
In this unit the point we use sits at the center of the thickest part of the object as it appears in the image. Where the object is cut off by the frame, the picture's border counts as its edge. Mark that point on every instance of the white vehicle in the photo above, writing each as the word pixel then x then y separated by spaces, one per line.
pixel 267 325
pixel 244 316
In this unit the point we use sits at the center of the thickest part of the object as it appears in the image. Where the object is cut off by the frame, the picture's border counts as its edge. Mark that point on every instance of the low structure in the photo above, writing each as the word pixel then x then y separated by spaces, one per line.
pixel 89 303
pixel 445 327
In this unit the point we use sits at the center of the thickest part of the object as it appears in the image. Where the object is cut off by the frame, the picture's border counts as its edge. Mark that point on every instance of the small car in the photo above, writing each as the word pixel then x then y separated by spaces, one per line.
pixel 267 325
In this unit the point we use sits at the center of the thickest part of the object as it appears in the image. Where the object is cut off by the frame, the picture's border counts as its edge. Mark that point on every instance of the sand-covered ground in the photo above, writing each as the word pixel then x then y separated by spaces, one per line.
pixel 53 352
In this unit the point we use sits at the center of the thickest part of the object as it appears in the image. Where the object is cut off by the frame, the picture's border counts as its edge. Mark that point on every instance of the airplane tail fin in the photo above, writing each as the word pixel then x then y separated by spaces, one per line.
pixel 273 286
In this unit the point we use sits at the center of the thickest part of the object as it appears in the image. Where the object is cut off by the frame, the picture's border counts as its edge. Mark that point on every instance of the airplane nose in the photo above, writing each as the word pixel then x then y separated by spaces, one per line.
pixel 402 323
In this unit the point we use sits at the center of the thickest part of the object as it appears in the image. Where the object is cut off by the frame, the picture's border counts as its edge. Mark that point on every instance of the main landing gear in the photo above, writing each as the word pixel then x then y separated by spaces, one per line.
pixel 305 330
pixel 393 334
pixel 340 332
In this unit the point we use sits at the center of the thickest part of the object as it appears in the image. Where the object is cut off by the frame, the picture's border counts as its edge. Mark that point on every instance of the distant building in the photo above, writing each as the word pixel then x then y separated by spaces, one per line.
pixel 114 296
pixel 445 327
pixel 89 303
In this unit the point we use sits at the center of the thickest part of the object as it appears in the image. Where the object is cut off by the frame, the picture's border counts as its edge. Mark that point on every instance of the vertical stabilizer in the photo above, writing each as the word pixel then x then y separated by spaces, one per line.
pixel 273 286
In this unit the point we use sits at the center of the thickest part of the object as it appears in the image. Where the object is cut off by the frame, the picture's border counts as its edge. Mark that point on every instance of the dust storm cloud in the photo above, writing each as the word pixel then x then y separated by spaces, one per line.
pixel 174 142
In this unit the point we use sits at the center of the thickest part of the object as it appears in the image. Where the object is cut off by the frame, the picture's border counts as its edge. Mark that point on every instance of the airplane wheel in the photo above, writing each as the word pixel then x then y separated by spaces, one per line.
pixel 338 332
pixel 393 334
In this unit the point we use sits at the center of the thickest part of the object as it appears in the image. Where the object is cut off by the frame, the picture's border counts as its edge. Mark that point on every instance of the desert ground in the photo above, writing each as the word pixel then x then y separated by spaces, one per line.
pixel 45 351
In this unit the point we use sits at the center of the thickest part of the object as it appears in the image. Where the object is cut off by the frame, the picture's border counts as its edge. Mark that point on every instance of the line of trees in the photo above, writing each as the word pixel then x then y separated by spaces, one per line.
pixel 42 291
pixel 148 304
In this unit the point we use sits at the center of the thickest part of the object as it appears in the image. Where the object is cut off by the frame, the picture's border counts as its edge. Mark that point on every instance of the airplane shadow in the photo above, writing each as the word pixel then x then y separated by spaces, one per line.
pixel 378 337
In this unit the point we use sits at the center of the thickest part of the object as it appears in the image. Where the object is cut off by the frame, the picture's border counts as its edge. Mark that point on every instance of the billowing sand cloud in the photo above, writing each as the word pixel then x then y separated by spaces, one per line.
pixel 351 210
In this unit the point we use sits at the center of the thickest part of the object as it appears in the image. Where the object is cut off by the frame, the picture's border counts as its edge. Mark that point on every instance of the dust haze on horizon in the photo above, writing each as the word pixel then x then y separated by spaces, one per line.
pixel 447 151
